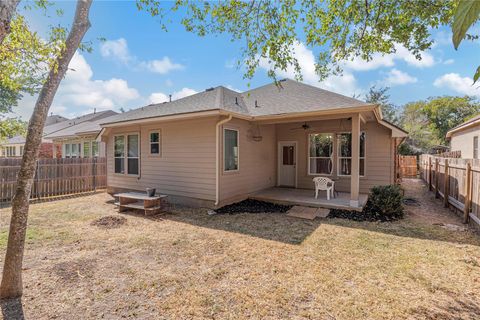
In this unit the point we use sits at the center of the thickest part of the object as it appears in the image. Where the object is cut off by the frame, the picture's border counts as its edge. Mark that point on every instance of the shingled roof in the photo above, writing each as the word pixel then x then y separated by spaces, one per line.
pixel 288 96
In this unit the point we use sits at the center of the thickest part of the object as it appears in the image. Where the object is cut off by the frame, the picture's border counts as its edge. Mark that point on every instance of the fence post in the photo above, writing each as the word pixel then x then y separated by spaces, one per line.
pixel 468 191
pixel 36 181
pixel 430 173
pixel 437 169
pixel 446 184
pixel 94 173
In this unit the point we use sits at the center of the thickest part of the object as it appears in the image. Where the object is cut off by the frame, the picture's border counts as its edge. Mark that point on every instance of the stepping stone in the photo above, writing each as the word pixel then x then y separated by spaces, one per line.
pixel 307 212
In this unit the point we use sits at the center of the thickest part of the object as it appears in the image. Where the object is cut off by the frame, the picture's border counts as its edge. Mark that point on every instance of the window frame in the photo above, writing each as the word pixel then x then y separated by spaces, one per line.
pixel 159 154
pixel 339 157
pixel 21 151
pixel 475 147
pixel 97 147
pixel 125 154
pixel 89 143
pixel 332 156
pixel 224 151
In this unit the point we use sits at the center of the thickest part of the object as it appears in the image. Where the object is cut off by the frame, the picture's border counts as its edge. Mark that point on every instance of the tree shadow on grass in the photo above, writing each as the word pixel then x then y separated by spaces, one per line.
pixel 457 309
pixel 12 309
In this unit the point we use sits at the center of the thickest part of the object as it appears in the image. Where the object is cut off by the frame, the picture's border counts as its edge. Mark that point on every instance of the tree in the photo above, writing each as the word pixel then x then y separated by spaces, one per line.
pixel 340 29
pixel 11 127
pixel 381 97
pixel 7 8
pixel 11 285
pixel 420 137
pixel 445 113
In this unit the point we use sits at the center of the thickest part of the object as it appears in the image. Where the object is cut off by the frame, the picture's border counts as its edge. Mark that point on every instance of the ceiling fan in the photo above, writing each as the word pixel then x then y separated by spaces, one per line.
pixel 304 126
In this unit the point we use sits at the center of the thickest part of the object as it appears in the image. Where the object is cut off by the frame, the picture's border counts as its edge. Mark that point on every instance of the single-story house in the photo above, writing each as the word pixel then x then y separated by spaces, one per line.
pixel 464 138
pixel 221 146
pixel 77 139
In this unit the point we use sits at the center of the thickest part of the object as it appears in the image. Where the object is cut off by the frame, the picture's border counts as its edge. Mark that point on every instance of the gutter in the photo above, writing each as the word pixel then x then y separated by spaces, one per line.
pixel 217 156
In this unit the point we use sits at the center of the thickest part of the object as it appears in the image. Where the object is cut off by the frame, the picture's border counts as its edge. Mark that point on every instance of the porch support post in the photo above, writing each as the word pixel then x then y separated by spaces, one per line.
pixel 355 174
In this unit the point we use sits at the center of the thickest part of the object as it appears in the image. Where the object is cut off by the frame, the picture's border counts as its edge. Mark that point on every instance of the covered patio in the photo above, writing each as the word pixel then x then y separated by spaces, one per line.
pixel 306 197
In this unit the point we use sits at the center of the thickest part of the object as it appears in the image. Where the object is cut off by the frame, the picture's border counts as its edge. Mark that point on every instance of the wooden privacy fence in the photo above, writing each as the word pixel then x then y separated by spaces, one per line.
pixel 408 166
pixel 55 177
pixel 456 181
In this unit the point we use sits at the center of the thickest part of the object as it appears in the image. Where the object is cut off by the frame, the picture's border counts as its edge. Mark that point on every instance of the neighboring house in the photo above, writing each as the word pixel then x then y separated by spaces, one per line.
pixel 221 146
pixel 13 147
pixel 77 139
pixel 464 138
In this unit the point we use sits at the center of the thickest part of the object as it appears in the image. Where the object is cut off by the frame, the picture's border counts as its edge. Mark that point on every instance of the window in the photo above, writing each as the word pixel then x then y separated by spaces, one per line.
pixel 86 149
pixel 132 156
pixel 230 150
pixel 475 147
pixel 95 149
pixel 11 151
pixel 119 154
pixel 75 150
pixel 320 158
pixel 21 150
pixel 67 151
pixel 155 143
pixel 3 152
pixel 345 154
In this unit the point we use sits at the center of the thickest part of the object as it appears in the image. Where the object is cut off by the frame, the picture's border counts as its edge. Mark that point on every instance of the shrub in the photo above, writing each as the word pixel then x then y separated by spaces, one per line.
pixel 384 204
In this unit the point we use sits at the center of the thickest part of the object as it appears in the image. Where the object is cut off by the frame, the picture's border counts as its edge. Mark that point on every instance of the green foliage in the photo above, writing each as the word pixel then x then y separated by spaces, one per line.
pixel 11 127
pixel 340 29
pixel 467 13
pixel 381 97
pixel 385 203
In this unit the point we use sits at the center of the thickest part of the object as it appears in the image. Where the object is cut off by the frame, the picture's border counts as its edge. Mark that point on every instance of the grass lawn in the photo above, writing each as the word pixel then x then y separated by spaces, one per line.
pixel 188 265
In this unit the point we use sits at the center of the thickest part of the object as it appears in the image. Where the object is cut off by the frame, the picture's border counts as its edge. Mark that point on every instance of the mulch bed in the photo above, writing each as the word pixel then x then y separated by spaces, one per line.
pixel 253 206
pixel 109 222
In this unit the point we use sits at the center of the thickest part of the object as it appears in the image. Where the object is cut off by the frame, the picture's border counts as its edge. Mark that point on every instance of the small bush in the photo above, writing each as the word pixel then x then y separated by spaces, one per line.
pixel 384 204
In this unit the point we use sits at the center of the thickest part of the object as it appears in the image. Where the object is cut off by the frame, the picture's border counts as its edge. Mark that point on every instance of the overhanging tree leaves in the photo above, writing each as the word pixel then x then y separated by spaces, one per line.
pixel 340 29
pixel 11 285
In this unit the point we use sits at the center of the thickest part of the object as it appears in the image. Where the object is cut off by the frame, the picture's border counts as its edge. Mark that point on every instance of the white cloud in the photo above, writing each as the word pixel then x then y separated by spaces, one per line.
pixel 396 77
pixel 388 60
pixel 462 85
pixel 344 84
pixel 448 61
pixel 159 97
pixel 118 50
pixel 162 66
pixel 79 92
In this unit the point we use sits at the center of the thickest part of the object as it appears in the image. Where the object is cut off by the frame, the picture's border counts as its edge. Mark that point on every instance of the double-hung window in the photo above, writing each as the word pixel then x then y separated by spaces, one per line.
pixel 127 154
pixel 345 154
pixel 21 150
pixel 155 142
pixel 68 152
pixel 475 147
pixel 320 158
pixel 230 150
pixel 86 149
pixel 94 149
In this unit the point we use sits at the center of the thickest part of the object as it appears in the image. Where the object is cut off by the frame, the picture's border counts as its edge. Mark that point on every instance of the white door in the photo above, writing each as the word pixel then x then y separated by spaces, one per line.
pixel 287 163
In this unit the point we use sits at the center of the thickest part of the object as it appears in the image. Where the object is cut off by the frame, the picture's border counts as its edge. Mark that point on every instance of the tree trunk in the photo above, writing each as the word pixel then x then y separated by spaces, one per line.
pixel 11 286
pixel 7 8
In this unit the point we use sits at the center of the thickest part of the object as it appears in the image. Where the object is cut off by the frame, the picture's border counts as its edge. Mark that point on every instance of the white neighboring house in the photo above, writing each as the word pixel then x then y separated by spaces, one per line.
pixel 78 140
pixel 13 147
pixel 465 138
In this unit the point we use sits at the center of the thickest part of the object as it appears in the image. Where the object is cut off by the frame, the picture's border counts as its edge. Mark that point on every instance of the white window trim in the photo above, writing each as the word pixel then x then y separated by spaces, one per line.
pixel 159 154
pixel 340 157
pixel 331 157
pixel 224 150
pixel 125 154
pixel 476 147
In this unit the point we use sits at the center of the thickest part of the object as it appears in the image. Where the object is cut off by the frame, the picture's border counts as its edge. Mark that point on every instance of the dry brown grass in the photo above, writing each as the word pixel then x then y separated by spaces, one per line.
pixel 188 265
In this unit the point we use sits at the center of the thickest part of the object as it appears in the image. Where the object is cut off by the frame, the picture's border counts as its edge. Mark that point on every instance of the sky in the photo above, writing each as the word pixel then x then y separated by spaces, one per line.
pixel 139 64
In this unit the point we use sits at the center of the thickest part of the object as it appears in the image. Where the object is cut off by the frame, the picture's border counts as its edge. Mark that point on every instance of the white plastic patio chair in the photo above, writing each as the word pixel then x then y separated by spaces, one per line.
pixel 324 184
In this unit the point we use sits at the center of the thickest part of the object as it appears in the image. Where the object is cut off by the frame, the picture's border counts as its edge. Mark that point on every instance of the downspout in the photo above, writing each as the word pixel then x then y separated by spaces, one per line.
pixel 217 156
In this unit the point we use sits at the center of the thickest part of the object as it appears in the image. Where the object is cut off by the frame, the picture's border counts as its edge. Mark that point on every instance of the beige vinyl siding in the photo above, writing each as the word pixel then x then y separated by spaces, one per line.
pixel 257 161
pixel 463 141
pixel 379 159
pixel 185 166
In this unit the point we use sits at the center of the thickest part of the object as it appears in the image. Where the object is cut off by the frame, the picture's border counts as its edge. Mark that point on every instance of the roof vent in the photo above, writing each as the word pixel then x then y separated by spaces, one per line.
pixel 236 100
pixel 209 89
pixel 169 98
pixel 256 104
pixel 283 80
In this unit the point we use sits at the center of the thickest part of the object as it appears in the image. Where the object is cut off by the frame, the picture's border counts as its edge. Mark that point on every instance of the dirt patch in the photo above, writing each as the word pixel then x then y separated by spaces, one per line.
pixel 109 222
pixel 253 206
pixel 74 270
